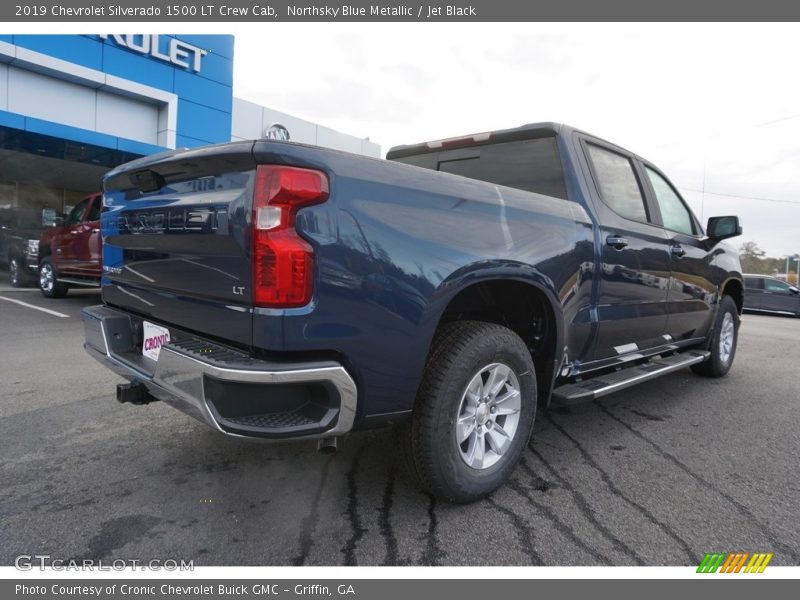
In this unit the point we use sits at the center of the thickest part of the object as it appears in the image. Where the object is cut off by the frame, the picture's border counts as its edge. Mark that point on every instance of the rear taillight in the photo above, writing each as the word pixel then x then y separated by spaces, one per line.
pixel 283 262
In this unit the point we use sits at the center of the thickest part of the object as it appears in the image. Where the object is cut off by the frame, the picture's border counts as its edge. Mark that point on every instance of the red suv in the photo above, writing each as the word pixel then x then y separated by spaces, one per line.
pixel 70 254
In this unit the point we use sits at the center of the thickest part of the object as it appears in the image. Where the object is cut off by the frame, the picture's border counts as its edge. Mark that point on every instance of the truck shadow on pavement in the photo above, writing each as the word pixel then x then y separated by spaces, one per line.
pixel 616 482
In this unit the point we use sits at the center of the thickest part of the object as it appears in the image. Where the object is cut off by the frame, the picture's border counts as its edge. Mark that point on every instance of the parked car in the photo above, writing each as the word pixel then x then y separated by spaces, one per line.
pixel 70 253
pixel 280 291
pixel 19 240
pixel 763 293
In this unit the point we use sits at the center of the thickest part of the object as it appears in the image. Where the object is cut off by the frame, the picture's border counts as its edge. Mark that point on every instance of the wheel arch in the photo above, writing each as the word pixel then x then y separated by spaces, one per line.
pixel 734 288
pixel 44 251
pixel 525 302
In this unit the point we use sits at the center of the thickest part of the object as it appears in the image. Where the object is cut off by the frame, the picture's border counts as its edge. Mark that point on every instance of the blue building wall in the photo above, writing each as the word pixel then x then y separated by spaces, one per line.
pixel 204 99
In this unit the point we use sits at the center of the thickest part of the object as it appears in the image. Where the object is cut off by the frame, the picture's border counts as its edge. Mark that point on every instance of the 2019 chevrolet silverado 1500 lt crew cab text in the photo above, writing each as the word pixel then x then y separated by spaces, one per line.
pixel 276 290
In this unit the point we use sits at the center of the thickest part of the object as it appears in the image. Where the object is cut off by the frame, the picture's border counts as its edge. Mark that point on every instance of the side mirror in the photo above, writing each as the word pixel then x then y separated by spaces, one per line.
pixel 720 228
pixel 794 290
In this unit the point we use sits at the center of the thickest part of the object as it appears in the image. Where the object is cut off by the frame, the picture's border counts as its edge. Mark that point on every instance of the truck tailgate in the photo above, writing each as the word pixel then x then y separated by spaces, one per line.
pixel 177 240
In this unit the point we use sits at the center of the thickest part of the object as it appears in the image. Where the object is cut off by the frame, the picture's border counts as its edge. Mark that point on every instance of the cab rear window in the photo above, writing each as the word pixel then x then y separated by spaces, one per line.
pixel 531 165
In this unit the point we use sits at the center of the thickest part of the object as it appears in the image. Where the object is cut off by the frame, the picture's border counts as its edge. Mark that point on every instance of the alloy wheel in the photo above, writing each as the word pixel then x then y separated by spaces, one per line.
pixel 488 415
pixel 727 336
pixel 46 279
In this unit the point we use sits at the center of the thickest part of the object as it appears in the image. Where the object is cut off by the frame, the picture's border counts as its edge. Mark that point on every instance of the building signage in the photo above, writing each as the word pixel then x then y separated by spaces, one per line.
pixel 170 50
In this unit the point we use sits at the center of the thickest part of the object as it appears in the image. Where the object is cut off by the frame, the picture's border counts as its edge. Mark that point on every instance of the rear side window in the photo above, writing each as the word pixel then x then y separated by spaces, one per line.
pixel 618 185
pixel 531 165
pixel 754 283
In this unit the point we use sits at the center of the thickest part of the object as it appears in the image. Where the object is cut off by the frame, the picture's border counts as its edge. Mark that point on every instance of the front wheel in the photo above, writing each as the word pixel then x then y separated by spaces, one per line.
pixel 49 284
pixel 15 273
pixel 724 337
pixel 474 412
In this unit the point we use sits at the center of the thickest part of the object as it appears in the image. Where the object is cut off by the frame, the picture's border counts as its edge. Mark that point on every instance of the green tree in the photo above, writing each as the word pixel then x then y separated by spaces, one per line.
pixel 753 259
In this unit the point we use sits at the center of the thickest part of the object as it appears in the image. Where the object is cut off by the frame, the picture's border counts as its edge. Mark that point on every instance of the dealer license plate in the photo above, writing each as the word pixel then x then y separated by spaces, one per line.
pixel 154 338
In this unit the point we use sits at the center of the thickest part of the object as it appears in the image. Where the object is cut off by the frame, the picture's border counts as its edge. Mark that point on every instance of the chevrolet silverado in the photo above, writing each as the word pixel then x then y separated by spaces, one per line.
pixel 276 290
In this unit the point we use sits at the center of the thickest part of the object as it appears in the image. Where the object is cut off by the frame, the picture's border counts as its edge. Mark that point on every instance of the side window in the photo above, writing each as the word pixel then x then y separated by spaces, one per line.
pixel 773 285
pixel 754 283
pixel 77 212
pixel 94 211
pixel 673 211
pixel 618 185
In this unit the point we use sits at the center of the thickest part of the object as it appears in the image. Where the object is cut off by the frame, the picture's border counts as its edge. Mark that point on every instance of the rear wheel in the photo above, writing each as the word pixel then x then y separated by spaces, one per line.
pixel 49 284
pixel 724 337
pixel 474 412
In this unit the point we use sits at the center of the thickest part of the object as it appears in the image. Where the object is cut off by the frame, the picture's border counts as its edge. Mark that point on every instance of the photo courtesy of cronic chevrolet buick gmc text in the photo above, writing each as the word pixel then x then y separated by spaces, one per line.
pixel 282 291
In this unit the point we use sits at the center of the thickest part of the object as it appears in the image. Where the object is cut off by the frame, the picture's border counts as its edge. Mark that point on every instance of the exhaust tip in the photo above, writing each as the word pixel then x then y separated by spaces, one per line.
pixel 327 445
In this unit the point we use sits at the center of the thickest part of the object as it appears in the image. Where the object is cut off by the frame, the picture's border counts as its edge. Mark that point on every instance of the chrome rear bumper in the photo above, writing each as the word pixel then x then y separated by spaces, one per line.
pixel 224 388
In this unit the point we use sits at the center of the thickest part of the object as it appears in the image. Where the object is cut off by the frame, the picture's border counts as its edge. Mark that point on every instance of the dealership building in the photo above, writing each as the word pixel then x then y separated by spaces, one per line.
pixel 74 106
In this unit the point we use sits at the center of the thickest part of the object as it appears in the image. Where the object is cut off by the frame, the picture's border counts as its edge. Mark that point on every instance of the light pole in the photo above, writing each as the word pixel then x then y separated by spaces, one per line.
pixel 796 270
pixel 796 258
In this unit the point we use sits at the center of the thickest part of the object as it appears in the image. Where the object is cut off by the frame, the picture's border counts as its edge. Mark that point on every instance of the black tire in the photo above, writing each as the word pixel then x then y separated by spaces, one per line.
pixel 720 361
pixel 49 285
pixel 15 273
pixel 462 354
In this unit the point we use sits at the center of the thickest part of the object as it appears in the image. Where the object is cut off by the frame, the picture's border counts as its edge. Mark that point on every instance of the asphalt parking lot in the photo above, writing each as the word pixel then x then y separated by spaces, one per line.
pixel 655 475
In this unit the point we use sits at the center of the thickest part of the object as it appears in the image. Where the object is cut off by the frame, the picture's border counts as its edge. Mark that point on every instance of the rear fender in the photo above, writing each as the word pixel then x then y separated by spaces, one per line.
pixel 495 271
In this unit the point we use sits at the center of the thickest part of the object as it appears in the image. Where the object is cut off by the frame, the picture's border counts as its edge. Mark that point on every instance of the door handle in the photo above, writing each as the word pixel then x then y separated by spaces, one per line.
pixel 616 242
pixel 678 251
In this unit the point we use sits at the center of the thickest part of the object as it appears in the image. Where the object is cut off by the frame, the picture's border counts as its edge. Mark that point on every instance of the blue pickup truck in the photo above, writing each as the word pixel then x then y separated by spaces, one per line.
pixel 280 291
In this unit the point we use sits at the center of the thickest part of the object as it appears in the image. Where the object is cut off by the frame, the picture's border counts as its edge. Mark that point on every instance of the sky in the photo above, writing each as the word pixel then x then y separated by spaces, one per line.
pixel 716 106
